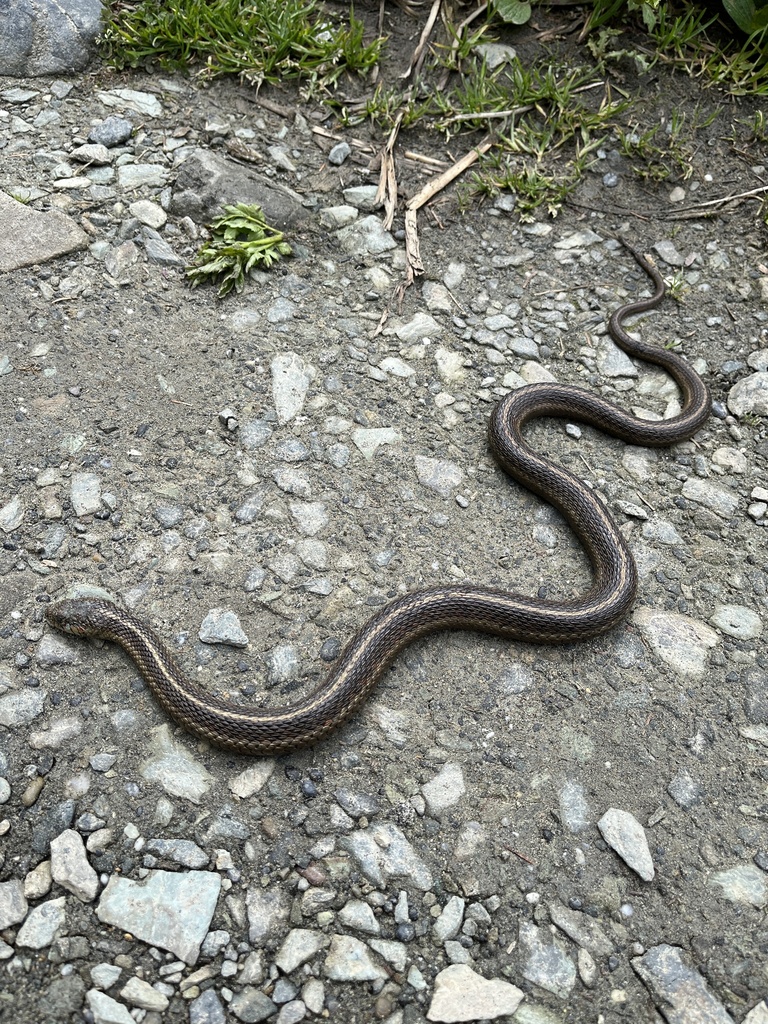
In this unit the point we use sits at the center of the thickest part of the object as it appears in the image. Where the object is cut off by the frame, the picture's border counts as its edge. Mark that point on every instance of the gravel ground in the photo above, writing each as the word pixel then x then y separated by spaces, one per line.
pixel 583 827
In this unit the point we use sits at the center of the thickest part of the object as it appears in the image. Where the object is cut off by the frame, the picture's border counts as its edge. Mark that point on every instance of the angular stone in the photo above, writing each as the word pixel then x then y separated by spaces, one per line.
pixel 174 767
pixel 679 990
pixel 169 909
pixel 43 924
pixel 462 995
pixel 349 959
pixel 29 237
pixel 13 903
pixel 70 867
pixel 300 945
pixel 107 1010
pixel 624 833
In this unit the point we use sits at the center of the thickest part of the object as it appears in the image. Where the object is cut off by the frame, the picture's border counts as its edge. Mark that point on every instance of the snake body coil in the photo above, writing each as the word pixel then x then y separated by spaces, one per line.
pixel 509 615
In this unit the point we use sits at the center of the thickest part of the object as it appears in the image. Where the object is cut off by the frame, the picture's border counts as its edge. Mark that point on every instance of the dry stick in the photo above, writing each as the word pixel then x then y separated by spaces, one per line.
pixel 413 255
pixel 318 129
pixel 488 115
pixel 417 58
pixel 387 190
pixel 430 161
pixel 704 209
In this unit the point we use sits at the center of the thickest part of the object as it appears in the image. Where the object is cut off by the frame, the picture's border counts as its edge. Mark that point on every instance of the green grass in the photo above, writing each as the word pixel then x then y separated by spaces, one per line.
pixel 260 41
pixel 690 37
pixel 547 119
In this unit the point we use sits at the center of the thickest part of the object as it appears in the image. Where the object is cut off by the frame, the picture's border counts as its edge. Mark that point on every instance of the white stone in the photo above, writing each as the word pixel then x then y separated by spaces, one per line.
pixel 681 642
pixel 463 995
pixel 624 833
pixel 445 789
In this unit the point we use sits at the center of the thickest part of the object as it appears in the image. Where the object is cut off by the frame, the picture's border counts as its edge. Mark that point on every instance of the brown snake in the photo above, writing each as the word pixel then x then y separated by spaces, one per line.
pixel 509 615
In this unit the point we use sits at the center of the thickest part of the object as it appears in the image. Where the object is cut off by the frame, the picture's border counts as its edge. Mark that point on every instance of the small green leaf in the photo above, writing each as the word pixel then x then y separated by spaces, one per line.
pixel 514 12
pixel 241 240
pixel 743 12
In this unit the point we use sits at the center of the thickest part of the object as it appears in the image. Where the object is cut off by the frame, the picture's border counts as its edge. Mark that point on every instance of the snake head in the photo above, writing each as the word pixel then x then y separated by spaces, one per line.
pixel 80 616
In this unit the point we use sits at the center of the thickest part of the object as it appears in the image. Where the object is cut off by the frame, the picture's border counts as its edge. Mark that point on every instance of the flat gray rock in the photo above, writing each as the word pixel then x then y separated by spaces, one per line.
pixel 169 909
pixel 679 990
pixel 206 182
pixel 29 237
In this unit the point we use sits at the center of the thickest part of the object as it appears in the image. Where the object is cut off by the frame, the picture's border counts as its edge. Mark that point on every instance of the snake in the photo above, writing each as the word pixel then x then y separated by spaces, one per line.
pixel 257 730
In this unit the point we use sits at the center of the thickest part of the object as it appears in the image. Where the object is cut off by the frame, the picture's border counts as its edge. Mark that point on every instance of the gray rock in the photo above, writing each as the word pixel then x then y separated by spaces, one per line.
pixel 91 153
pixel 173 767
pixel 339 153
pixel 105 975
pixel 43 924
pixel 182 851
pixel 395 953
pixel 358 915
pixel 349 959
pixel 678 990
pixel 292 481
pixel 159 251
pixel 462 995
pixel 85 493
pixel 300 946
pixel 102 762
pixel 361 196
pixel 42 37
pixel 749 397
pixel 255 433
pixel 574 806
pixel 112 131
pixel 221 626
pixel 291 378
pixel 206 182
pixel 207 1008
pixel 107 1010
pixel 20 707
pixel 283 664
pixel 70 867
pixel 334 217
pixel 547 964
pixel 420 326
pixel 583 929
pixel 383 853
pixel 745 883
pixel 447 925
pixel 292 1012
pixel 268 912
pixel 12 515
pixel 140 993
pixel 13 904
pixel 445 789
pixel 145 103
pixel 366 236
pixel 716 499
pixel 685 791
pixel 29 237
pixel 438 475
pixel 624 834
pixel 135 176
pixel 737 621
pixel 251 1006
pixel 357 805
pixel 368 440
pixel 188 900
pixel 681 642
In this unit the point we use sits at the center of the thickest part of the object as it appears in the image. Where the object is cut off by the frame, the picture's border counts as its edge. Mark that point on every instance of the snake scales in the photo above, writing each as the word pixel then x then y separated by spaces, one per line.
pixel 513 616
